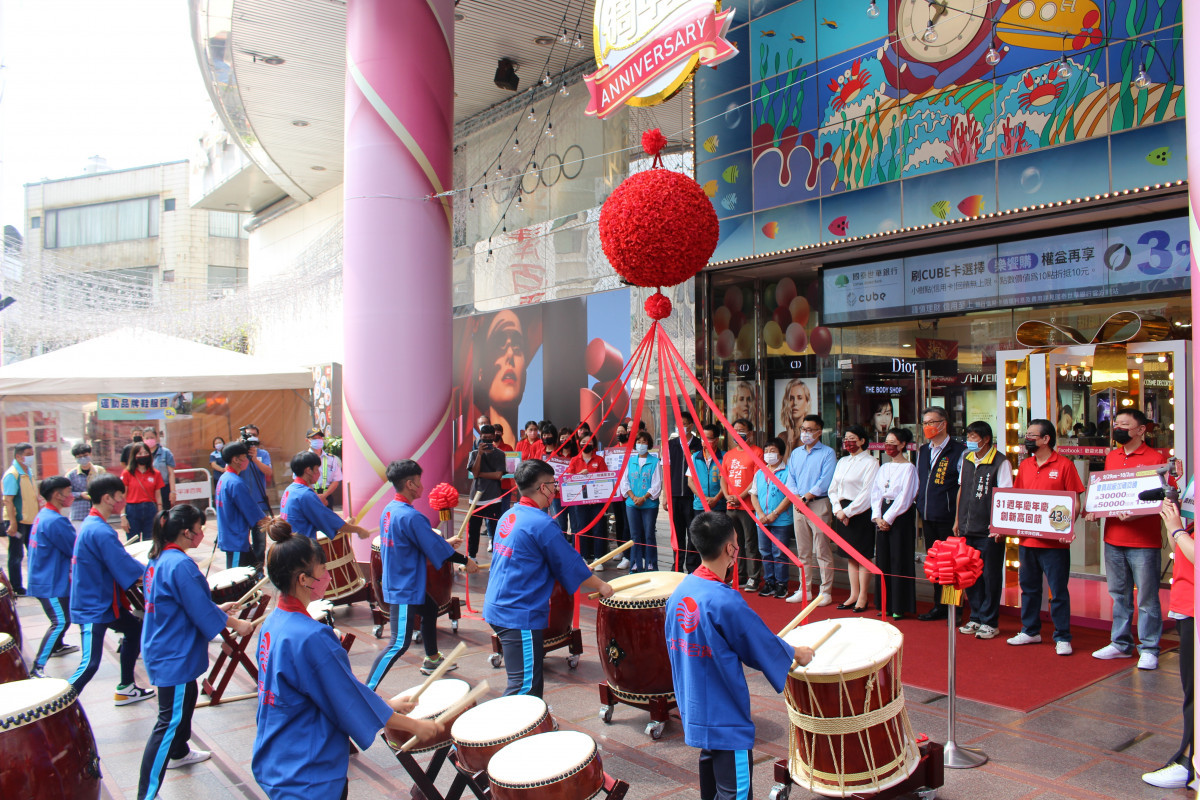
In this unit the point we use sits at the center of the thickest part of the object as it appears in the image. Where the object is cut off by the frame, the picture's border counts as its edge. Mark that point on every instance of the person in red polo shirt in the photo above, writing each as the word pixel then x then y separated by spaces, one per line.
pixel 1132 551
pixel 739 470
pixel 593 543
pixel 1045 469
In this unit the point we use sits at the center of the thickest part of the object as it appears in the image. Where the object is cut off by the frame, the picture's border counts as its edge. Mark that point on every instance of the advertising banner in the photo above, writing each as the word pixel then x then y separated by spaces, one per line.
pixel 591 487
pixel 1114 491
pixel 164 405
pixel 1036 514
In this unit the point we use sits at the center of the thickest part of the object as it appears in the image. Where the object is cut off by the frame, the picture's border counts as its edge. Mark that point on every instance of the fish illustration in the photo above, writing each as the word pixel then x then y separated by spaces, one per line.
pixel 940 209
pixel 797 38
pixel 1160 157
pixel 972 206
pixel 839 226
pixel 729 201
pixel 767 34
pixel 828 23
pixel 770 229
pixel 730 174
pixel 710 144
pixel 710 188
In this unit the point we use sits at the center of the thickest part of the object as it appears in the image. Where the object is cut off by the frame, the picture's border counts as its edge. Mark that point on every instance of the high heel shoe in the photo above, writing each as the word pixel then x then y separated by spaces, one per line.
pixel 858 610
pixel 844 606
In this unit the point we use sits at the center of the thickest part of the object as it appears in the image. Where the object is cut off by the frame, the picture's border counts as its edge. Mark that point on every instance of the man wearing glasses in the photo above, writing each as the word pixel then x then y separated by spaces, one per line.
pixel 810 471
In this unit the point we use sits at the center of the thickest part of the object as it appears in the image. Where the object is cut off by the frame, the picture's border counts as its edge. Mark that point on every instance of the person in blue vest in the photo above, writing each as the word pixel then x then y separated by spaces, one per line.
pixel 711 636
pixel 406 542
pixel 641 486
pixel 51 544
pixel 180 620
pixel 529 555
pixel 237 512
pixel 101 571
pixel 705 475
pixel 310 705
pixel 774 511
pixel 939 465
pixel 302 508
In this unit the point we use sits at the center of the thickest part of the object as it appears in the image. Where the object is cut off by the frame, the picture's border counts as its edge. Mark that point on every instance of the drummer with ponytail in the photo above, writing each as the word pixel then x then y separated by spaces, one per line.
pixel 180 620
pixel 310 705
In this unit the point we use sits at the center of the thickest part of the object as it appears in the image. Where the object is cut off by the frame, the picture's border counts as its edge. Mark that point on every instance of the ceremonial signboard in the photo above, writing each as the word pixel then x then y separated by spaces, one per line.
pixel 615 458
pixel 1114 491
pixel 646 50
pixel 589 487
pixel 1035 514
pixel 512 460
pixel 1188 504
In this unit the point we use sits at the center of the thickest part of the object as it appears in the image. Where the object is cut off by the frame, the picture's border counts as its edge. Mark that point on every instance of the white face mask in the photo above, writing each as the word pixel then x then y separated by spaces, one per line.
pixel 771 458
pixel 27 460
pixel 316 444
pixel 808 438
pixel 642 448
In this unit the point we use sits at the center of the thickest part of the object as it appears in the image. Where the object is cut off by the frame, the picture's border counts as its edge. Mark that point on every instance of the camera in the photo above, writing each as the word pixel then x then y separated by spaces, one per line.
pixel 1167 491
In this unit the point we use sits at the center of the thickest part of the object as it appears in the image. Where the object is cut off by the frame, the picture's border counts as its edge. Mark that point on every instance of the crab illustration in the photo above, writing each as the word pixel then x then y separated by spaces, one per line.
pixel 1039 94
pixel 848 88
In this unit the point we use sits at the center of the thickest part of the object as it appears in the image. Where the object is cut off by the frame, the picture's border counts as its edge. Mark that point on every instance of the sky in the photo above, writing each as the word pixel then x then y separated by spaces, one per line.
pixel 114 78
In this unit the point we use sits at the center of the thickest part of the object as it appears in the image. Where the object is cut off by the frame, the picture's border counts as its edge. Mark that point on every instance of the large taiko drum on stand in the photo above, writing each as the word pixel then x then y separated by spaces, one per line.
pixel 345 577
pixel 12 666
pixel 562 765
pixel 849 730
pixel 482 731
pixel 630 635
pixel 562 612
pixel 47 750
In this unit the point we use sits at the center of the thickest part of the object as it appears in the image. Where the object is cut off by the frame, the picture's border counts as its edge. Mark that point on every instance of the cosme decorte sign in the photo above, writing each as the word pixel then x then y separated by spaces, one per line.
pixel 647 50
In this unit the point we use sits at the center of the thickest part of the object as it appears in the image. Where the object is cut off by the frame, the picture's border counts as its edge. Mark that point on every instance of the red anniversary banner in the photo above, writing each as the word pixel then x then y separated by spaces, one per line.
pixel 692 33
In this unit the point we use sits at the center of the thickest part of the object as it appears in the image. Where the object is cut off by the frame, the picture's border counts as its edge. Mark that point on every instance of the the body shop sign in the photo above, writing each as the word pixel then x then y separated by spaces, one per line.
pixel 646 51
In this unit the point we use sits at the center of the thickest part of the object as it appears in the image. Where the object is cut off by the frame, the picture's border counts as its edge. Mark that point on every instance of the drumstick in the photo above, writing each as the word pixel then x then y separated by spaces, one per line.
pixel 808 609
pixel 446 664
pixel 612 553
pixel 255 590
pixel 623 587
pixel 470 511
pixel 825 637
pixel 454 710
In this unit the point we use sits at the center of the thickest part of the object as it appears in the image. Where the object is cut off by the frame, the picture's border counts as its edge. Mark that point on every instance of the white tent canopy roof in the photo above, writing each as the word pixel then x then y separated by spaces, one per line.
pixel 131 361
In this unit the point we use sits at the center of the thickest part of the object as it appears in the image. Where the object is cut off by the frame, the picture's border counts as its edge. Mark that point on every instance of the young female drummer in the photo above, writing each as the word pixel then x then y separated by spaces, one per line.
pixel 180 619
pixel 309 702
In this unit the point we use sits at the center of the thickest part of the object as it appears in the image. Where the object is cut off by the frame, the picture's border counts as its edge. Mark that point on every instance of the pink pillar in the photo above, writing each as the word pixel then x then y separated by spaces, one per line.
pixel 396 280
pixel 1191 71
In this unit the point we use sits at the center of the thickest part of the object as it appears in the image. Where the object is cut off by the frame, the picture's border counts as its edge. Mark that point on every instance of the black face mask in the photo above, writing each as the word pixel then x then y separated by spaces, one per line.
pixel 144 461
pixel 1031 446
pixel 622 437
pixel 1121 436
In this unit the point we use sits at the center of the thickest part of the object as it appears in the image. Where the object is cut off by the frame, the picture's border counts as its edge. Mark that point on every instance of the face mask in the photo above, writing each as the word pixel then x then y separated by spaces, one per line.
pixel 771 458
pixel 972 447
pixel 137 437
pixel 27 460
pixel 808 438
pixel 319 586
pixel 586 444
pixel 316 444
pixel 118 508
pixel 151 442
pixel 1031 446
pixel 622 437
pixel 642 448
pixel 850 447
pixel 218 445
pixel 197 538
pixel 892 450
pixel 931 431
pixel 144 461
pixel 83 461
pixel 1121 436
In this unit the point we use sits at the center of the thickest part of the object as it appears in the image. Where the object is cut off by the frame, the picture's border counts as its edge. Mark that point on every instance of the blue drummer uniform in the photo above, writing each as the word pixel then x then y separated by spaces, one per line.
pixel 180 620
pixel 51 545
pixel 236 514
pixel 305 512
pixel 406 542
pixel 529 555
pixel 711 633
pixel 101 571
pixel 309 706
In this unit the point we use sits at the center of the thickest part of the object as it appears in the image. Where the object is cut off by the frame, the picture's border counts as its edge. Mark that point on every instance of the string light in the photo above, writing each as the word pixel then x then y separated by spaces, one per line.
pixel 516 145
pixel 873 10
pixel 578 41
pixel 563 38
pixel 549 130
pixel 1064 68
pixel 546 79
pixel 1142 81
pixel 930 35
pixel 531 116
pixel 993 57
pixel 563 90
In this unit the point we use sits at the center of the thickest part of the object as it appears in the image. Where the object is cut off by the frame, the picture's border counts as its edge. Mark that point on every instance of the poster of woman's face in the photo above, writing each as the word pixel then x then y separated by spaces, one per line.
pixel 884 413
pixel 794 399
pixel 742 400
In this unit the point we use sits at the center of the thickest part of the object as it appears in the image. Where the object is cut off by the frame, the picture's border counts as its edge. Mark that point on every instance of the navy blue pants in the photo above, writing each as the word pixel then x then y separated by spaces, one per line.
pixel 58 609
pixel 1055 565
pixel 984 594
pixel 93 645
pixel 402 620
pixel 726 775
pixel 523 654
pixel 169 739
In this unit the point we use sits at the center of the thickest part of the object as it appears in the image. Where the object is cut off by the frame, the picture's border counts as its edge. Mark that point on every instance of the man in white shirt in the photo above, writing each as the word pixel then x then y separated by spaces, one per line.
pixel 331 466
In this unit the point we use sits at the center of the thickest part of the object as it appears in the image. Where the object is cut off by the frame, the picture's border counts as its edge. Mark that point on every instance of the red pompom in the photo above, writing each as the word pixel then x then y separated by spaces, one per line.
pixel 653 142
pixel 951 562
pixel 658 306
pixel 658 228
pixel 442 497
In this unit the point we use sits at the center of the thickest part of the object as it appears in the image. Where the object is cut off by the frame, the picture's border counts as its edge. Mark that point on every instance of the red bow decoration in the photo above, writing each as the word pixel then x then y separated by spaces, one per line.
pixel 953 563
pixel 443 497
pixel 658 306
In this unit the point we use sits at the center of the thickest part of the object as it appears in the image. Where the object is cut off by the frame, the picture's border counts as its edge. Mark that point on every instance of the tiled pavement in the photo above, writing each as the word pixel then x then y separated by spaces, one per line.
pixel 1092 744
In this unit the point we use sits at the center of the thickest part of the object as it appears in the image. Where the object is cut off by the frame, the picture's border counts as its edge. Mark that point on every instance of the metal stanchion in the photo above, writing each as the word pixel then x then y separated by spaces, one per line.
pixel 956 756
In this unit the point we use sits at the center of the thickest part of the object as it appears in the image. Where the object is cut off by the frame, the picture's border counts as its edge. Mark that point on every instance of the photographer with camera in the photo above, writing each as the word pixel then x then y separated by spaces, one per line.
pixel 258 478
pixel 1132 555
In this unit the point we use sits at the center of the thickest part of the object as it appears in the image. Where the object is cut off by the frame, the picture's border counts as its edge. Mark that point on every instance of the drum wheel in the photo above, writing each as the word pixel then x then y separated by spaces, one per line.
pixel 496 660
pixel 573 661
pixel 779 792
pixel 378 631
pixel 606 713
pixel 655 730
pixel 454 625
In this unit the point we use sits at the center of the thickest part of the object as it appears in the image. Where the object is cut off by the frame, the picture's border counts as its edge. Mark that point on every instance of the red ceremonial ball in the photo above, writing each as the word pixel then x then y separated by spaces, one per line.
pixel 658 228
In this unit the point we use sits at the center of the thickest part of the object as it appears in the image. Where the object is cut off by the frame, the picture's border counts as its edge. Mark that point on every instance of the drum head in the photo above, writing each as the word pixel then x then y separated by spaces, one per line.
pixel 6 642
pixel 321 536
pixel 541 758
pixel 437 698
pixel 228 577
pixel 140 551
pixel 19 698
pixel 859 644
pixel 498 718
pixel 659 587
pixel 377 544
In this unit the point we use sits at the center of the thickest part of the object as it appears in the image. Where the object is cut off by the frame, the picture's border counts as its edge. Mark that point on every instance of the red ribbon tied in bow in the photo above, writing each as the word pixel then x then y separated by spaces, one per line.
pixel 443 497
pixel 953 563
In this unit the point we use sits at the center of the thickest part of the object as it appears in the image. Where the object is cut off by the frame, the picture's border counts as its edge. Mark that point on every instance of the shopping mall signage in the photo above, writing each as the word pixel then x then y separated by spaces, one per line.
pixel 1143 258
pixel 647 51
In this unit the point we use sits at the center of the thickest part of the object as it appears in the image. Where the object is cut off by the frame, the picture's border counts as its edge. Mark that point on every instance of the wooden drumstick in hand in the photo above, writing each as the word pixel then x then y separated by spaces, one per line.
pixel 824 638
pixel 808 609
pixel 454 710
pixel 245 601
pixel 446 664
pixel 622 587
pixel 611 554
pixel 470 511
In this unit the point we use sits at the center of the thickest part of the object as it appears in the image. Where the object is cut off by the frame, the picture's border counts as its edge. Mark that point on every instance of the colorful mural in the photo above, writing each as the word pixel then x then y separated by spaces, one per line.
pixel 958 103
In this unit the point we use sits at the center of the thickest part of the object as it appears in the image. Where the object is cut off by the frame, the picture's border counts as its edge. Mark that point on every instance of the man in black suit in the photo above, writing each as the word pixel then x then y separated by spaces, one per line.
pixel 682 498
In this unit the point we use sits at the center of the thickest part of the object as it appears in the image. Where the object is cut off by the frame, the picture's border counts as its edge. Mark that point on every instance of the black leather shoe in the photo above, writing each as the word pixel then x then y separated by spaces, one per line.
pixel 931 615
pixel 844 606
pixel 858 610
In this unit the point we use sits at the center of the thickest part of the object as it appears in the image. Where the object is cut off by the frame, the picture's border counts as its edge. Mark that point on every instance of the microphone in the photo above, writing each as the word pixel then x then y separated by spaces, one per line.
pixel 1153 495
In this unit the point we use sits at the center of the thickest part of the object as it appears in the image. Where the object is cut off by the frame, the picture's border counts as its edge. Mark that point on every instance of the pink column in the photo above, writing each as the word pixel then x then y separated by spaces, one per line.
pixel 1191 71
pixel 396 280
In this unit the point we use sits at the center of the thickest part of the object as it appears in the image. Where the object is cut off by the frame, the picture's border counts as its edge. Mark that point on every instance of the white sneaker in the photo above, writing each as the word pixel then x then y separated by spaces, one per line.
pixel 598 568
pixel 1025 638
pixel 489 545
pixel 1172 776
pixel 969 628
pixel 127 695
pixel 624 564
pixel 194 756
pixel 798 597
pixel 987 632
pixel 1063 648
pixel 824 599
pixel 1110 651
pixel 1148 661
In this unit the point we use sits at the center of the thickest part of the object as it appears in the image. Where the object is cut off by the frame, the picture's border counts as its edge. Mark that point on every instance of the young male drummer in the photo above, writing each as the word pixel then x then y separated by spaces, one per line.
pixel 530 553
pixel 301 507
pixel 101 571
pixel 711 633
pixel 50 547
pixel 237 510
pixel 406 542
